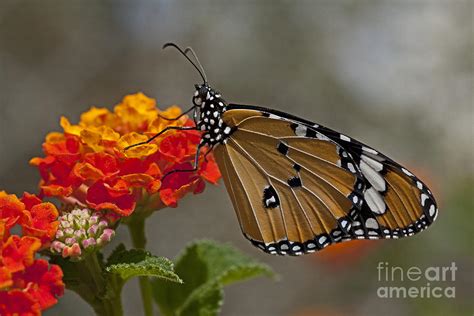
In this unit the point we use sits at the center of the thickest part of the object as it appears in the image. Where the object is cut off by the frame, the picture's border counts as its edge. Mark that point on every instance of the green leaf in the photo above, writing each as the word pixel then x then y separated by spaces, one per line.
pixel 206 302
pixel 205 267
pixel 137 262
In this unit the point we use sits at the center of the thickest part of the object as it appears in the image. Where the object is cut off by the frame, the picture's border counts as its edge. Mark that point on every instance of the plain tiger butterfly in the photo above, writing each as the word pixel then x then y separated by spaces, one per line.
pixel 298 187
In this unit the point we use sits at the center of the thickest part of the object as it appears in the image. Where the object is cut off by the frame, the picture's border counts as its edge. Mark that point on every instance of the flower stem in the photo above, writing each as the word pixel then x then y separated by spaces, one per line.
pixel 95 285
pixel 137 232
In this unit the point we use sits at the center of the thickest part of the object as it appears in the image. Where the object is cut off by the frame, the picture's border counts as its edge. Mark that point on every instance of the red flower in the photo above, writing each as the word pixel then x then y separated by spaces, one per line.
pixel 5 277
pixel 118 198
pixel 43 282
pixel 16 302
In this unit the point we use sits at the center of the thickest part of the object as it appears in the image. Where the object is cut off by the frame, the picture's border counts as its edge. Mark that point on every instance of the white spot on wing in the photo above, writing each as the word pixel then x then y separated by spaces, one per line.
pixel 351 167
pixel 375 179
pixel 408 173
pixel 371 223
pixel 345 138
pixel 300 130
pixel 369 150
pixel 424 197
pixel 359 232
pixel 374 201
pixel 322 137
pixel 377 166
pixel 270 200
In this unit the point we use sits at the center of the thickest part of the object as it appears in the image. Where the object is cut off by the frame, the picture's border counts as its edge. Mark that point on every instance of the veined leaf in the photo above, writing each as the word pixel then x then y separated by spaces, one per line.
pixel 205 267
pixel 138 262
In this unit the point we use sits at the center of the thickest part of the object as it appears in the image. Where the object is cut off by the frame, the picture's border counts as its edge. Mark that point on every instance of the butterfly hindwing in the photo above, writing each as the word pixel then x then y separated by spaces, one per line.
pixel 298 187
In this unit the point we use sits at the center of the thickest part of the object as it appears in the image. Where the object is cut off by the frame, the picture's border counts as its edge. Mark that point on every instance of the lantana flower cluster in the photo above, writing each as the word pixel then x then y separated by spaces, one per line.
pixel 81 231
pixel 88 165
pixel 27 285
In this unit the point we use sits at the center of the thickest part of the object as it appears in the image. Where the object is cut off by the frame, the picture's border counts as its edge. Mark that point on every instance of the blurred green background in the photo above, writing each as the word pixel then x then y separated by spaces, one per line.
pixel 395 74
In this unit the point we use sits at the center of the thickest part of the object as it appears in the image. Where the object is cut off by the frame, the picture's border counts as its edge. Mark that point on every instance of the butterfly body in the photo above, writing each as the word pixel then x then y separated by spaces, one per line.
pixel 298 187
pixel 211 107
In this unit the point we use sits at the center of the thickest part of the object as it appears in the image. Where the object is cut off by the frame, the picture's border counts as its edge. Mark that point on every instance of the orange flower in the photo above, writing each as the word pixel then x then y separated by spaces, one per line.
pixel 36 218
pixel 18 252
pixel 348 252
pixel 40 221
pixel 87 163
pixel 11 209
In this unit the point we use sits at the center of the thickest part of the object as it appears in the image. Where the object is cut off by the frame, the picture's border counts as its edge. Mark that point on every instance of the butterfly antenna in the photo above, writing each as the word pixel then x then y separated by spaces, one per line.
pixel 201 72
pixel 189 49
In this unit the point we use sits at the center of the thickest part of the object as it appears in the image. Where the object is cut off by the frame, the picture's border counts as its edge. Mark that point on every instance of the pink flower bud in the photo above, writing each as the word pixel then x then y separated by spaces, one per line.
pixel 106 236
pixel 59 234
pixel 72 251
pixel 88 242
pixel 57 246
pixel 93 229
pixel 69 231
pixel 70 241
pixel 80 233
pixel 94 219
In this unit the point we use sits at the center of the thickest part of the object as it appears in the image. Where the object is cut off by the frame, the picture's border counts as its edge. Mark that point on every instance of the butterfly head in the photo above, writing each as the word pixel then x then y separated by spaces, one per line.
pixel 204 94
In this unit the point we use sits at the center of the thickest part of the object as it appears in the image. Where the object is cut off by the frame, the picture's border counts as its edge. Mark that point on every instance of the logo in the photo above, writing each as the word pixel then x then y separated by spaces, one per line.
pixel 428 282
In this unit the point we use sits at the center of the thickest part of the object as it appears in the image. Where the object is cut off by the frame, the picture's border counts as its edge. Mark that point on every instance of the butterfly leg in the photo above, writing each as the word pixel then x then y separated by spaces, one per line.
pixel 195 167
pixel 181 115
pixel 179 128
pixel 209 150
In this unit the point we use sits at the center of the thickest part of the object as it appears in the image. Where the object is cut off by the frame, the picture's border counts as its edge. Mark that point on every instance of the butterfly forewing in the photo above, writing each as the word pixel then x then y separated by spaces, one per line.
pixel 396 202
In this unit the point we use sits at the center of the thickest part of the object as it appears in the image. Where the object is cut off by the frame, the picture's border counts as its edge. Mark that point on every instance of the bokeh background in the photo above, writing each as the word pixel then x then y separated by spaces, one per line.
pixel 395 74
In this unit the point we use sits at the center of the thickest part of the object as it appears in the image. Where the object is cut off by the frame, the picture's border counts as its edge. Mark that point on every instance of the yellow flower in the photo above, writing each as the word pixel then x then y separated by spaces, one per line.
pixel 136 112
pixel 138 151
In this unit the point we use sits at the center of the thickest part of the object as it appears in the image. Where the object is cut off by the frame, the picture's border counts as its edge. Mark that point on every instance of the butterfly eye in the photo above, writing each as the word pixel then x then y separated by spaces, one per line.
pixel 203 90
pixel 197 100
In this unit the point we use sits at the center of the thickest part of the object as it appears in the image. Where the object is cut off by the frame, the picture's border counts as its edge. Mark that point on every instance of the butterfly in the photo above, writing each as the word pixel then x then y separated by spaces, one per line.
pixel 298 187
